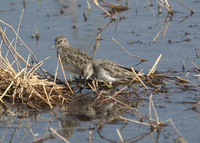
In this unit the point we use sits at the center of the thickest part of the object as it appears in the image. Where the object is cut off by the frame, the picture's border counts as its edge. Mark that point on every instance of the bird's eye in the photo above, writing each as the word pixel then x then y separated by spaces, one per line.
pixel 59 41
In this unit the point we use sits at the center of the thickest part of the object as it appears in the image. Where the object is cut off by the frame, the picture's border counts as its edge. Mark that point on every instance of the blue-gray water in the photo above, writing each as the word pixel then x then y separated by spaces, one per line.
pixel 146 23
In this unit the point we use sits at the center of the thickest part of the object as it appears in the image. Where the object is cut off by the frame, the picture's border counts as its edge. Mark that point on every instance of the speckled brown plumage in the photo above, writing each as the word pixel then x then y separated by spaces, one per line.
pixel 106 70
pixel 73 59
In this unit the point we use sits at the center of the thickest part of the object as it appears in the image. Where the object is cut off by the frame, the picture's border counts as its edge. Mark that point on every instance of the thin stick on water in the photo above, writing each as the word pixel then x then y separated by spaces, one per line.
pixel 26 132
pixel 38 140
pixel 186 6
pixel 90 136
pixel 150 97
pixel 64 74
pixel 154 39
pixel 182 79
pixel 175 82
pixel 120 136
pixel 157 119
pixel 152 69
pixel 161 4
pixel 138 78
pixel 128 107
pixel 166 26
pixel 18 27
pixel 61 1
pixel 167 4
pixel 18 33
pixel 168 9
pixel 134 121
pixel 192 62
pixel 194 106
pixel 54 131
pixel 127 51
pixel 184 141
pixel 114 94
pixel 187 81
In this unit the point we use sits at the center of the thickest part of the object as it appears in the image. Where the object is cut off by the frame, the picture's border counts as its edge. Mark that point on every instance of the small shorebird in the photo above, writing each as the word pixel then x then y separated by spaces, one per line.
pixel 106 70
pixel 73 59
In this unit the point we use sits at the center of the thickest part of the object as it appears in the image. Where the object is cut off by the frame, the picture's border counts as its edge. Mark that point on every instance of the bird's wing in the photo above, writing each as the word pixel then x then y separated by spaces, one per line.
pixel 77 58
pixel 114 69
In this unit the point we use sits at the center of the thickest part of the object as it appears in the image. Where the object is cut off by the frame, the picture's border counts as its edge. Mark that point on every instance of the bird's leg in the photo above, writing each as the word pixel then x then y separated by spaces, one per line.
pixel 84 82
pixel 108 85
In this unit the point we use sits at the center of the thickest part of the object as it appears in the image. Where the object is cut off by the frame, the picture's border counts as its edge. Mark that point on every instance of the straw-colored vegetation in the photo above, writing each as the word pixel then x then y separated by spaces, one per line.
pixel 27 85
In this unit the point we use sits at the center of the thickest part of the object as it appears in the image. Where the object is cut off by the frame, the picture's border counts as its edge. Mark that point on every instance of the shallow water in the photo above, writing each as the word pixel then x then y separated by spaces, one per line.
pixel 145 23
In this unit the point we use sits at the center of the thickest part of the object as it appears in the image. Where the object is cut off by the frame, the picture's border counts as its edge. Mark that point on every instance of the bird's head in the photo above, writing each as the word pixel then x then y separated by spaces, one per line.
pixel 87 70
pixel 61 41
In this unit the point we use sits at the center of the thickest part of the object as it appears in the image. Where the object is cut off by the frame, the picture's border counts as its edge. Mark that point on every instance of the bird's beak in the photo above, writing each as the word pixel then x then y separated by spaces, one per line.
pixel 52 47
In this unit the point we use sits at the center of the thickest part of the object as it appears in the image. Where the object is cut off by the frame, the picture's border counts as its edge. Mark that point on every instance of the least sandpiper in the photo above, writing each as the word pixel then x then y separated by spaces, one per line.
pixel 73 59
pixel 106 70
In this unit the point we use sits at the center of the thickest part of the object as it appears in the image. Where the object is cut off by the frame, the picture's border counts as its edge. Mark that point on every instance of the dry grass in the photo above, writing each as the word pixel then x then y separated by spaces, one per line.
pixel 30 87
pixel 165 4
pixel 27 85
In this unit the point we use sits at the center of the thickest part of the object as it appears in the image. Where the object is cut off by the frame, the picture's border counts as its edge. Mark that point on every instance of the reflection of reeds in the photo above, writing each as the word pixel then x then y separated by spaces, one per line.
pixel 54 131
pixel 181 138
pixel 165 26
pixel 166 5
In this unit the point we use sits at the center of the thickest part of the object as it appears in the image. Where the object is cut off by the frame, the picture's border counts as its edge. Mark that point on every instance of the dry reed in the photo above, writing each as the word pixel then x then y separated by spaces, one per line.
pixel 27 85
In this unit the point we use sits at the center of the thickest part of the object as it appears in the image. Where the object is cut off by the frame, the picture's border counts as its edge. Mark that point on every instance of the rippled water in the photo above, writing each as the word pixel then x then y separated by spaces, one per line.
pixel 174 102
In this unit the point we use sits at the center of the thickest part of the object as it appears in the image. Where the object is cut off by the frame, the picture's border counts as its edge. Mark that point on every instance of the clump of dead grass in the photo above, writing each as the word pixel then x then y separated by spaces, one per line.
pixel 27 85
